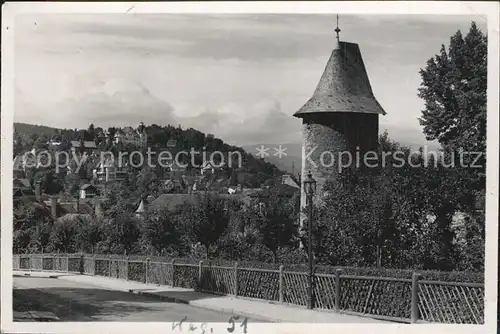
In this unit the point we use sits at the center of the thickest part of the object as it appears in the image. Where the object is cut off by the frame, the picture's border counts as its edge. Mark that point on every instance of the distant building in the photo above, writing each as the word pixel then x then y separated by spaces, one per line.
pixel 53 143
pixel 88 191
pixel 290 180
pixel 85 145
pixel 173 186
pixel 128 135
pixel 109 171
pixel 171 202
pixel 141 210
pixel 207 167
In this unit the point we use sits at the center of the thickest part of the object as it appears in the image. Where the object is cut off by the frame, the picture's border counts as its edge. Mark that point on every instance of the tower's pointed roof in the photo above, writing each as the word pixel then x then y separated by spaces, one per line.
pixel 344 85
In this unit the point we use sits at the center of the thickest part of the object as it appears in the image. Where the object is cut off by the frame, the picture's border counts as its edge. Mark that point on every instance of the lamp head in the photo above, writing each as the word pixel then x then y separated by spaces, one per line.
pixel 309 185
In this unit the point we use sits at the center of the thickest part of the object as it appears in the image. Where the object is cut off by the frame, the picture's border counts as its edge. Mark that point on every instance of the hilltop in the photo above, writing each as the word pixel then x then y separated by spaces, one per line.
pixel 28 136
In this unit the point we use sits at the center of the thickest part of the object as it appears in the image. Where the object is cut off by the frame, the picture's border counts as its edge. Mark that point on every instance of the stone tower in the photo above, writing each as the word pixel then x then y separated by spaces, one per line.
pixel 341 116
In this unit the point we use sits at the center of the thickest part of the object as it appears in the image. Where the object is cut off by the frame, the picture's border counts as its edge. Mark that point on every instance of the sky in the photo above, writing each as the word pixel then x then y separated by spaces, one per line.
pixel 240 77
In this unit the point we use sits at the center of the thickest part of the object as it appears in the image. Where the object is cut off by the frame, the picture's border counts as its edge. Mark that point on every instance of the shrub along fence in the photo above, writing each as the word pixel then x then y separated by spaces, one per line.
pixel 390 298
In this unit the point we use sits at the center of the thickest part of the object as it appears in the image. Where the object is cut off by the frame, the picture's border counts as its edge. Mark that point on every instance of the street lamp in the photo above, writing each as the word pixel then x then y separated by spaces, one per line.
pixel 310 189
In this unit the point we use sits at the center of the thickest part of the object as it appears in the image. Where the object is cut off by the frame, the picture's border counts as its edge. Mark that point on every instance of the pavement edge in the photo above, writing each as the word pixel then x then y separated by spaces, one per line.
pixel 39 276
pixel 196 303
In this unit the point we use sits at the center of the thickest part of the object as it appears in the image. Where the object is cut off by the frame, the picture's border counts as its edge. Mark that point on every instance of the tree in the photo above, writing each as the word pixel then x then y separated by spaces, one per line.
pixel 32 224
pixel 161 232
pixel 71 234
pixel 147 182
pixel 18 144
pixel 91 133
pixel 65 145
pixel 62 235
pixel 72 184
pixel 111 133
pixel 277 227
pixel 207 221
pixel 346 228
pixel 454 90
pixel 122 234
pixel 51 185
pixel 118 199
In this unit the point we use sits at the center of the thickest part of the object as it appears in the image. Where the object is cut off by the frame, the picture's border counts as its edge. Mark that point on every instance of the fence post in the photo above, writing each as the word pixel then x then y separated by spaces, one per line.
pixel 236 278
pixel 29 262
pixel 200 275
pixel 42 260
pixel 54 263
pixel 93 262
pixel 109 267
pixel 337 289
pixel 414 297
pixel 281 281
pixel 126 267
pixel 67 264
pixel 147 269
pixel 173 273
pixel 82 269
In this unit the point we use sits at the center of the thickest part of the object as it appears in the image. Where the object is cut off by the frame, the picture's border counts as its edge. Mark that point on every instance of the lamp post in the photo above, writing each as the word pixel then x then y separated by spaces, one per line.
pixel 310 189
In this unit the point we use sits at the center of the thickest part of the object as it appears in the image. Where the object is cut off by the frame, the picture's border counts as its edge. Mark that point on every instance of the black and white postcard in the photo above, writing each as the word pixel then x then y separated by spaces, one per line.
pixel 244 167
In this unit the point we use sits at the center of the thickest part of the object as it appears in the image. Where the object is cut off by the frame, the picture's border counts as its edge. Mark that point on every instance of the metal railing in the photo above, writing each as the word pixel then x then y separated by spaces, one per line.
pixel 396 299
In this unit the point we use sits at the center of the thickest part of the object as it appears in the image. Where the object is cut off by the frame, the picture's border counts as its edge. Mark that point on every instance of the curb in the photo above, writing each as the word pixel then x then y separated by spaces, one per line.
pixel 195 304
pixel 164 298
pixel 256 317
pixel 38 276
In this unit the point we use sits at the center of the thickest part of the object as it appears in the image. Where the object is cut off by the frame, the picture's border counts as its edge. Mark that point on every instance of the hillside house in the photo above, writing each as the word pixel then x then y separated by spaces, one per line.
pixel 289 179
pixel 56 205
pixel 110 170
pixel 128 135
pixel 208 167
pixel 174 186
pixel 88 191
pixel 85 146
pixel 53 143
pixel 141 210
pixel 60 207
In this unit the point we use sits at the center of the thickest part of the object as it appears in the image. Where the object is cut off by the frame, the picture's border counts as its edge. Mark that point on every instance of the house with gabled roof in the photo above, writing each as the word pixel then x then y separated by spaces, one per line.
pixel 110 170
pixel 129 135
pixel 88 191
pixel 83 145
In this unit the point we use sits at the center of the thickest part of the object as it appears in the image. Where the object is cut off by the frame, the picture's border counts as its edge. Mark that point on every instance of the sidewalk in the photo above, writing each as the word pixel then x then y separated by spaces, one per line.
pixel 261 310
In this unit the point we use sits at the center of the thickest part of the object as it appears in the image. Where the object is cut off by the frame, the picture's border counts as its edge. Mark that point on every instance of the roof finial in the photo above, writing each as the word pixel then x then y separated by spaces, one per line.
pixel 337 30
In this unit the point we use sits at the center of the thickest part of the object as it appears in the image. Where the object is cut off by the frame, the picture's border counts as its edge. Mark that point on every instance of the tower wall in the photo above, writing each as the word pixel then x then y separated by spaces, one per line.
pixel 325 137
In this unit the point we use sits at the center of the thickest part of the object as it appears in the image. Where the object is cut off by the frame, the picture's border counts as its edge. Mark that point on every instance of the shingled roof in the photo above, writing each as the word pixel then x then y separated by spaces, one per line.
pixel 172 201
pixel 86 144
pixel 344 85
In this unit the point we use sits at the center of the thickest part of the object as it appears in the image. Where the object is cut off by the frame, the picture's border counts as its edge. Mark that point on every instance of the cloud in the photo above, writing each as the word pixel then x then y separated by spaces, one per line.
pixel 222 74
pixel 270 124
pixel 236 124
pixel 408 136
pixel 116 102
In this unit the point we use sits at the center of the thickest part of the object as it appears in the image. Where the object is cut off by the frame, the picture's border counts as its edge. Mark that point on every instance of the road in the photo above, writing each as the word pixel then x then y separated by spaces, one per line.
pixel 70 301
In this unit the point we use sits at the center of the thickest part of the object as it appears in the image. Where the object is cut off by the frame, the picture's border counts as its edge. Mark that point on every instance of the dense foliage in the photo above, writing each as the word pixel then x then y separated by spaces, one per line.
pixel 424 215
pixel 453 87
pixel 28 137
